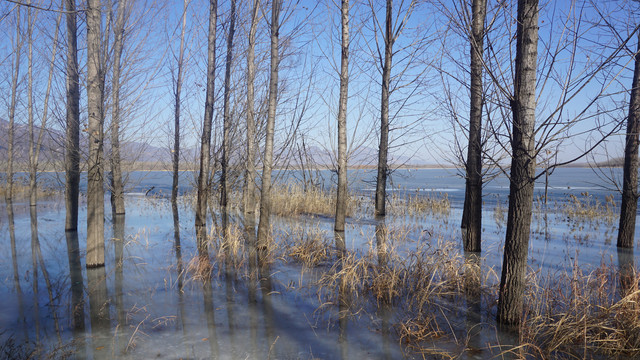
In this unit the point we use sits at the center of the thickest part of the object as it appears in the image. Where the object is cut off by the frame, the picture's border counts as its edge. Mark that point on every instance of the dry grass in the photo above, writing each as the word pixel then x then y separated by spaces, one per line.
pixel 21 190
pixel 584 315
pixel 293 200
pixel 577 314
pixel 309 247
pixel 416 204
pixel 586 208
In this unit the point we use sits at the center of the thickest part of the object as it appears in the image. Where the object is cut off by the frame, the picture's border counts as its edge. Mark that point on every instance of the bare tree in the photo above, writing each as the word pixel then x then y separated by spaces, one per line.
pixel 523 166
pixel 12 108
pixel 395 23
pixel 72 143
pixel 35 147
pixel 250 170
pixel 628 208
pixel 95 177
pixel 472 210
pixel 117 186
pixel 205 140
pixel 383 150
pixel 226 112
pixel 177 105
pixel 341 194
pixel 267 160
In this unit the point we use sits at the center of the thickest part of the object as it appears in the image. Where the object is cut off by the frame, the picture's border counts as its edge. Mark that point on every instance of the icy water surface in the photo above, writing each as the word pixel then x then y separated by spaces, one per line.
pixel 148 302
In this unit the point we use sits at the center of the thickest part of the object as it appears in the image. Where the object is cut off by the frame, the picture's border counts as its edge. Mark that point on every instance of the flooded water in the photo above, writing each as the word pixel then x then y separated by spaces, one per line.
pixel 148 302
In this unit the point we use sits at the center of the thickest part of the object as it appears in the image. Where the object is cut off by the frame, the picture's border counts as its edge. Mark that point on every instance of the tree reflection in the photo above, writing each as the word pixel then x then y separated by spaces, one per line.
pixel 343 298
pixel 121 314
pixel 16 271
pixel 77 293
pixel 384 306
pixel 472 285
pixel 209 310
pixel 266 287
pixel 99 312
pixel 177 247
pixel 250 239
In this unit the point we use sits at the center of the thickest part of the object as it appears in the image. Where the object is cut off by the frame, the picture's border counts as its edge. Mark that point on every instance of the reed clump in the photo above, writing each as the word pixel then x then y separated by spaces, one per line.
pixel 434 291
pixel 414 281
pixel 587 208
pixel 295 200
pixel 310 247
pixel 587 315
pixel 415 204
pixel 21 190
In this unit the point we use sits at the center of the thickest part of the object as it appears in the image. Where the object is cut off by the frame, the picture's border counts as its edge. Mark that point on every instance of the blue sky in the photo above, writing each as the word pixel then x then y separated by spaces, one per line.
pixel 431 53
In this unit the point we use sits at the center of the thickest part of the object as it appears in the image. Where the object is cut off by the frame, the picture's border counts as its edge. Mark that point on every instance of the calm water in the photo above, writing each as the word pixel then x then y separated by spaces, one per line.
pixel 139 305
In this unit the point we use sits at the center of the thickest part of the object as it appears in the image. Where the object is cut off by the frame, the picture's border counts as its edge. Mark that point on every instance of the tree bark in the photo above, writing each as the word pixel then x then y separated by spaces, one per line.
pixel 72 144
pixel 472 211
pixel 117 187
pixel 177 105
pixel 341 195
pixel 226 115
pixel 383 150
pixel 250 171
pixel 12 109
pixel 267 162
pixel 523 165
pixel 205 140
pixel 628 208
pixel 95 176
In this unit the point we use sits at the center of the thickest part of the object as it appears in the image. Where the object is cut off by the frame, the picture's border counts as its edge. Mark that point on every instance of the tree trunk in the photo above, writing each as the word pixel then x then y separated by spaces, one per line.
pixel 32 171
pixel 177 104
pixel 523 165
pixel 117 187
pixel 72 144
pixel 226 115
pixel 472 212
pixel 205 140
pixel 267 162
pixel 34 160
pixel 629 205
pixel 383 150
pixel 12 109
pixel 341 196
pixel 95 176
pixel 250 171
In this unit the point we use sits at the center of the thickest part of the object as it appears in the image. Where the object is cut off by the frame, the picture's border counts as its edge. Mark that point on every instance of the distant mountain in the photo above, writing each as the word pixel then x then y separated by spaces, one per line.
pixel 52 149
